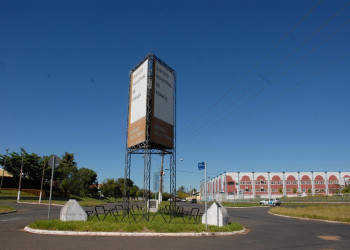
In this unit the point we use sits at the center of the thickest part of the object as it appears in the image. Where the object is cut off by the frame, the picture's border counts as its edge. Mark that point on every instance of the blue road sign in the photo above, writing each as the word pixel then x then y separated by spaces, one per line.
pixel 201 165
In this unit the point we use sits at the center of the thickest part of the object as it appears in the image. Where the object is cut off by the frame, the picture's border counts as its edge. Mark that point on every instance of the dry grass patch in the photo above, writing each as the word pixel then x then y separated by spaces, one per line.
pixel 326 212
pixel 6 209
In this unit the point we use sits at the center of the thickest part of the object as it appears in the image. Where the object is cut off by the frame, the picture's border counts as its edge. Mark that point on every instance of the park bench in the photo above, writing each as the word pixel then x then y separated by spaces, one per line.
pixel 194 213
pixel 90 214
pixel 101 210
pixel 119 208
pixel 135 207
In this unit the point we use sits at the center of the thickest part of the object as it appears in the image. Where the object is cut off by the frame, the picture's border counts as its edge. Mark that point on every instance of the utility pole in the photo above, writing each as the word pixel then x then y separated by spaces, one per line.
pixel 20 180
pixel 42 181
pixel 3 170
pixel 160 197
pixel 206 200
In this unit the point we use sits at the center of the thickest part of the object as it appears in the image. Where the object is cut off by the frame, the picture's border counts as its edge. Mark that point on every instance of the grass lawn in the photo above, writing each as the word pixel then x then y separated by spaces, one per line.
pixel 6 209
pixel 10 195
pixel 312 211
pixel 83 201
pixel 240 204
pixel 129 225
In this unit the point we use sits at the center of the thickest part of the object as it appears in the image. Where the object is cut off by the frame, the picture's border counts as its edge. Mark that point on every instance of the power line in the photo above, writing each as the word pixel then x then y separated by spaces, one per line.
pixel 265 87
pixel 297 84
pixel 254 67
pixel 293 87
pixel 190 172
pixel 212 119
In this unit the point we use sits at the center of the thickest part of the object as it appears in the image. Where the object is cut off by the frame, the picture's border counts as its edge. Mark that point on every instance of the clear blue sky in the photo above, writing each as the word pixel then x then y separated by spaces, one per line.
pixel 64 75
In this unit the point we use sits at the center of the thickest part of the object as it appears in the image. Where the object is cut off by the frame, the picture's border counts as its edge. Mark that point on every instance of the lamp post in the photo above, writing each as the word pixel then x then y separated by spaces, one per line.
pixel 42 181
pixel 54 162
pixel 3 170
pixel 20 181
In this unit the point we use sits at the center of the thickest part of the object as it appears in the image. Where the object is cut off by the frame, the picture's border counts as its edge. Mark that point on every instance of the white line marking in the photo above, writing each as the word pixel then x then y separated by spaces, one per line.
pixel 11 219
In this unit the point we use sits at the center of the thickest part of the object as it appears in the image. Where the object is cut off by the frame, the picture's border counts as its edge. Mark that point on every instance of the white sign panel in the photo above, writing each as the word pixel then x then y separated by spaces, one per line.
pixel 139 92
pixel 164 94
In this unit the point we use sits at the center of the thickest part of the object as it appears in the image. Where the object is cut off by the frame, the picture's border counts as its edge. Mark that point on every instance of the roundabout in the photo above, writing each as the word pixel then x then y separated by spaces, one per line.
pixel 263 231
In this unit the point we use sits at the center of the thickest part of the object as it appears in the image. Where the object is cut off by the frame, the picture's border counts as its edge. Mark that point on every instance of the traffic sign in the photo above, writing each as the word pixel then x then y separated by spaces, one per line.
pixel 201 165
pixel 54 160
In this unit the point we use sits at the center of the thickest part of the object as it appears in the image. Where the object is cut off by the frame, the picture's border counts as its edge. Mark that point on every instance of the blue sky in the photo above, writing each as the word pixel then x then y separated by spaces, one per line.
pixel 64 75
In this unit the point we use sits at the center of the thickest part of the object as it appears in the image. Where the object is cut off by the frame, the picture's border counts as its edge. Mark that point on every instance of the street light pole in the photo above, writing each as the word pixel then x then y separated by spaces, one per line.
pixel 42 181
pixel 3 170
pixel 52 170
pixel 20 181
pixel 206 206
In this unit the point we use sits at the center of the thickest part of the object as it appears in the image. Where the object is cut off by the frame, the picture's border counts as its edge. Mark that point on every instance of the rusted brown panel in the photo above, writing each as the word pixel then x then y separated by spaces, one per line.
pixel 162 133
pixel 136 132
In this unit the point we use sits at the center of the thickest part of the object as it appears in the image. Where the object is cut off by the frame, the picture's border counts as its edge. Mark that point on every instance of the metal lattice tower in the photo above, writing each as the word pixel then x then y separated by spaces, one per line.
pixel 147 148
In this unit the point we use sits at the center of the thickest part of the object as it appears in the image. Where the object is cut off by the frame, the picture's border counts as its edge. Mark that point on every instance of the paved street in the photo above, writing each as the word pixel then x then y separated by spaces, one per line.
pixel 265 232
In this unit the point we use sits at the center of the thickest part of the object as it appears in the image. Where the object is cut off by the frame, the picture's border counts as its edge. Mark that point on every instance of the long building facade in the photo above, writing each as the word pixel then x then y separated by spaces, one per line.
pixel 242 185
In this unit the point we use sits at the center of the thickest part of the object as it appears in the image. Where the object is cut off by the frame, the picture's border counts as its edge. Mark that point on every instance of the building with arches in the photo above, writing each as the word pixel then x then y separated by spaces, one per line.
pixel 233 185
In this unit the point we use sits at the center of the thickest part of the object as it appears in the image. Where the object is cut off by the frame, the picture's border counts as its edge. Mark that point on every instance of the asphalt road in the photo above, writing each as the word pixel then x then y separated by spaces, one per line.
pixel 265 232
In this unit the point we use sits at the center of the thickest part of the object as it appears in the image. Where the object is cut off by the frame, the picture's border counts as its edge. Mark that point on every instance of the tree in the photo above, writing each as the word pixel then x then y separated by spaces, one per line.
pixel 79 182
pixel 109 188
pixel 32 165
pixel 134 191
pixel 69 178
pixel 67 166
pixel 143 193
pixel 121 186
pixel 181 192
pixel 335 188
pixel 166 196
pixel 87 177
pixel 181 189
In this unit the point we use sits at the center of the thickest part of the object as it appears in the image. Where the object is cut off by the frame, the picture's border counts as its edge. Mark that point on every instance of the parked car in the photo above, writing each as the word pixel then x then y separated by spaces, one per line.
pixel 194 201
pixel 277 202
pixel 271 202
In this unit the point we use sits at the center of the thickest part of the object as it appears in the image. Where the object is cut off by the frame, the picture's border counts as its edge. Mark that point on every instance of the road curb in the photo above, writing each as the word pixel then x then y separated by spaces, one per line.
pixel 74 233
pixel 301 218
pixel 10 212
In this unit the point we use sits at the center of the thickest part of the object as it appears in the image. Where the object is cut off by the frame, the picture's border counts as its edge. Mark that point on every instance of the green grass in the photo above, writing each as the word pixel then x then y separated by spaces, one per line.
pixel 306 204
pixel 12 194
pixel 83 201
pixel 240 204
pixel 318 198
pixel 6 209
pixel 128 225
pixel 320 211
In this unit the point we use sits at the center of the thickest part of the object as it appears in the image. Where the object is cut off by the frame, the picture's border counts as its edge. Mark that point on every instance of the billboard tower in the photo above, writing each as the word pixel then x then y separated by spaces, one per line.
pixel 151 123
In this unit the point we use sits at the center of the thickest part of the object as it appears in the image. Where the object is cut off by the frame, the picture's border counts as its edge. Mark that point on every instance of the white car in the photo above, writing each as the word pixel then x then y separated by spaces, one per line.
pixel 271 202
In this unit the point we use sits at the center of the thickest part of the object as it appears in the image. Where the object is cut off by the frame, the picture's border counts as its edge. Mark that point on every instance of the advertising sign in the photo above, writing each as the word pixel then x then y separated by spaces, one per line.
pixel 151 105
pixel 137 105
pixel 162 131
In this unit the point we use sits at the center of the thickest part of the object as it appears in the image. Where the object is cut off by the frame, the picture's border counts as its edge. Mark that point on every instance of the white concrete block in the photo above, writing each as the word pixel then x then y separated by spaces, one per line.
pixel 72 211
pixel 152 205
pixel 217 215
